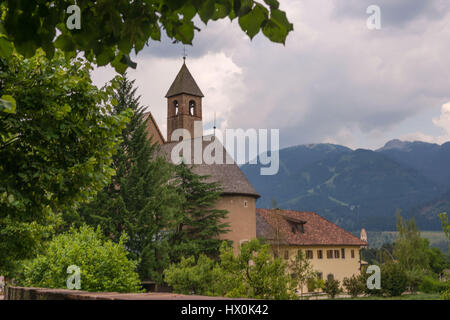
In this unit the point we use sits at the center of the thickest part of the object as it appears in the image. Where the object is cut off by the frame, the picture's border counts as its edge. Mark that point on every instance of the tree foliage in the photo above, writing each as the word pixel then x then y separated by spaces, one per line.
pixel 140 200
pixel 394 280
pixel 253 273
pixel 301 270
pixel 198 224
pixel 332 287
pixel 410 249
pixel 56 145
pixel 111 29
pixel 355 285
pixel 103 264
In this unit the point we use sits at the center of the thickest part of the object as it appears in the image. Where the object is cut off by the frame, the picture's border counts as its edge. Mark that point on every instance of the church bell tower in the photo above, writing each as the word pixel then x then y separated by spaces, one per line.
pixel 184 104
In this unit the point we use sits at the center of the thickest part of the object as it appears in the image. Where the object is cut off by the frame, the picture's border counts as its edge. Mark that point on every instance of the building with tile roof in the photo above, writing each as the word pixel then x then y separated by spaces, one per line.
pixel 332 251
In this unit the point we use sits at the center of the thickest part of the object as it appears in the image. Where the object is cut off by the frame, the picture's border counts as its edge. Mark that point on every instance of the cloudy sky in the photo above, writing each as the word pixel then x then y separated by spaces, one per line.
pixel 334 81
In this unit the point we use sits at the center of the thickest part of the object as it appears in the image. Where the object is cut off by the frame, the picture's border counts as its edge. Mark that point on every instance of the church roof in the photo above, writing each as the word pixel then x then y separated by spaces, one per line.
pixel 184 83
pixel 228 174
pixel 317 230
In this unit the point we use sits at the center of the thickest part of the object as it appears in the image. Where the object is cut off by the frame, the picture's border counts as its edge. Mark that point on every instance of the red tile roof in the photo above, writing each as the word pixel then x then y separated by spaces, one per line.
pixel 317 230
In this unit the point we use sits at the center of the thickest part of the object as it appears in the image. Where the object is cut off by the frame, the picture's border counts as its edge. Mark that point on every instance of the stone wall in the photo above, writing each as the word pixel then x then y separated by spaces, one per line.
pixel 21 293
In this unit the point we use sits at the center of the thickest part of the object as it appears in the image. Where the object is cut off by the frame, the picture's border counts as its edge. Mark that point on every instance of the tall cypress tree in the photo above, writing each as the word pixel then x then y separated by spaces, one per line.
pixel 199 224
pixel 140 199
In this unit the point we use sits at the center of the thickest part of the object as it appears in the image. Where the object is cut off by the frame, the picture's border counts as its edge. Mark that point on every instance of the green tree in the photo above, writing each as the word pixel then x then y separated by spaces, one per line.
pixel 111 29
pixel 140 200
pixel 193 276
pixel 332 287
pixel 301 270
pixel 199 223
pixel 104 265
pixel 438 261
pixel 394 279
pixel 409 248
pixel 253 273
pixel 56 144
pixel 315 282
pixel 445 224
pixel 446 228
pixel 265 277
pixel 355 285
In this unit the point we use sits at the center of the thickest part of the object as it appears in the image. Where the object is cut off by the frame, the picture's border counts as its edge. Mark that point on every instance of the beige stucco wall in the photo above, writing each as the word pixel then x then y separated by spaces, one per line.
pixel 242 218
pixel 340 268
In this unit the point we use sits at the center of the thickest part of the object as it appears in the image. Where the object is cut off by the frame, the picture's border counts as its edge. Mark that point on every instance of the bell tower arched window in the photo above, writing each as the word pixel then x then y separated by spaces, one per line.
pixel 176 107
pixel 192 107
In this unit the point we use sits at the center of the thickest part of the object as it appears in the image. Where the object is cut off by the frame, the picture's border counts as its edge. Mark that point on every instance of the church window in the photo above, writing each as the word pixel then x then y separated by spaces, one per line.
pixel 176 106
pixel 245 203
pixel 192 107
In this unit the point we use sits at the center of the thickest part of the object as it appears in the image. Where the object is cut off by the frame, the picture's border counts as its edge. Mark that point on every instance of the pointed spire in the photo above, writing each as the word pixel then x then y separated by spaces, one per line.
pixel 184 83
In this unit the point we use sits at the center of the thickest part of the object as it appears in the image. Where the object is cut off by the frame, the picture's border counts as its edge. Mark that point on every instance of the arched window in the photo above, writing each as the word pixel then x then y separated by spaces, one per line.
pixel 175 105
pixel 192 107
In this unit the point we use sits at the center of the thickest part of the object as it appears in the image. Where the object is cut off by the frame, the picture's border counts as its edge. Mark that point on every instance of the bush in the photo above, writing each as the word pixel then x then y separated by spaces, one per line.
pixel 446 294
pixel 393 279
pixel 315 283
pixel 253 273
pixel 432 285
pixel 332 288
pixel 104 265
pixel 414 279
pixel 192 277
pixel 355 285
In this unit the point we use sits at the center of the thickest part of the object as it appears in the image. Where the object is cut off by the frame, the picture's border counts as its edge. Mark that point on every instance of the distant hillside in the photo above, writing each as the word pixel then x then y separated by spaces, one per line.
pixel 431 160
pixel 355 189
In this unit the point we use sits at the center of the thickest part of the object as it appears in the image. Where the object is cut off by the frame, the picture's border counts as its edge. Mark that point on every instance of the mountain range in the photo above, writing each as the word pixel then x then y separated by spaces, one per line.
pixel 360 188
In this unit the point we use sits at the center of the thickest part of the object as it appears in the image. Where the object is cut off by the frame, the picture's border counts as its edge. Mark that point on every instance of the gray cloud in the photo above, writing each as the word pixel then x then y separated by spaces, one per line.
pixel 395 13
pixel 334 81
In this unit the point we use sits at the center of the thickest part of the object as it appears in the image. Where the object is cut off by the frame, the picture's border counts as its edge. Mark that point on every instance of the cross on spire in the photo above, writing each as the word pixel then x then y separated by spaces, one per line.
pixel 184 54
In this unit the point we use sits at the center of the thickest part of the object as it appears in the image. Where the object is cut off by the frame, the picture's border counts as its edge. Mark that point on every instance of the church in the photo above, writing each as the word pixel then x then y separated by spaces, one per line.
pixel 333 251
pixel 184 109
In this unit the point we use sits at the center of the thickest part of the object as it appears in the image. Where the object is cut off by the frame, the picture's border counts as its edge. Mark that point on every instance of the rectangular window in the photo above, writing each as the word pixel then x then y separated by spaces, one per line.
pixel 320 275
pixel 329 254
pixel 309 254
pixel 353 254
pixel 319 254
pixel 343 253
pixel 286 255
pixel 336 254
